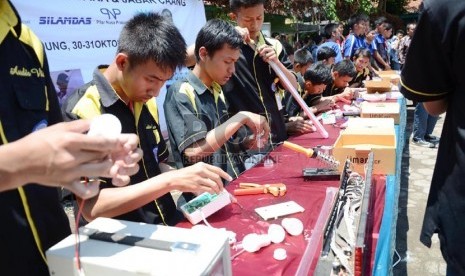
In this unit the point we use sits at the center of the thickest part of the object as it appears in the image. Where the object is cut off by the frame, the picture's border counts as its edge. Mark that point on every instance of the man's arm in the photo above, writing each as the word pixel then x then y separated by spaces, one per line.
pixel 218 136
pixel 436 108
pixel 112 202
pixel 61 154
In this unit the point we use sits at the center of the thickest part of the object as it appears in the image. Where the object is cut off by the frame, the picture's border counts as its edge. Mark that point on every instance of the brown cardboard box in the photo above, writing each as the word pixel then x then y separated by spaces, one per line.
pixel 390 75
pixel 363 136
pixel 381 110
pixel 380 86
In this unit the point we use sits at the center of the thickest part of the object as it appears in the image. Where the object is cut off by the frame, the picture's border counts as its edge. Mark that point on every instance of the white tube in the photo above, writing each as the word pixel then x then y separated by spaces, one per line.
pixel 291 89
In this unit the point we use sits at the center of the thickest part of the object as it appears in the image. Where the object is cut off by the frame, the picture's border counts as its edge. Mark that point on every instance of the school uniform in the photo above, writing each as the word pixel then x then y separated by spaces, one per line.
pixel 333 45
pixel 357 81
pixel 98 97
pixel 191 111
pixel 352 43
pixel 332 90
pixel 253 87
pixel 434 73
pixel 32 217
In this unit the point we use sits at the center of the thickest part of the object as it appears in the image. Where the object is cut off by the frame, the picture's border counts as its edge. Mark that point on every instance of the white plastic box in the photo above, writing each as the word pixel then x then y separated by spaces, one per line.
pixel 190 251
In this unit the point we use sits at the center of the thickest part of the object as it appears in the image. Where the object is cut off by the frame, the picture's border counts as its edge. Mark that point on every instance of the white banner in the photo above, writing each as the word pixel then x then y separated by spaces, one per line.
pixel 79 35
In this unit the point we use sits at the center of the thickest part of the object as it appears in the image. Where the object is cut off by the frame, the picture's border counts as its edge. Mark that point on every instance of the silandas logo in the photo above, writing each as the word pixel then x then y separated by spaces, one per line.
pixel 51 20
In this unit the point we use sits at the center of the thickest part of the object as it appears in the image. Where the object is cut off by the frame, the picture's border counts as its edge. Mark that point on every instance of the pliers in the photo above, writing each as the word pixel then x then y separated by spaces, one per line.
pixel 276 189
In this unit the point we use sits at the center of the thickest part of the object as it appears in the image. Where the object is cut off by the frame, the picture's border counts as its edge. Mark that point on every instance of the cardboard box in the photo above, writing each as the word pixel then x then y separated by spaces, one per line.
pixel 365 135
pixel 390 75
pixel 380 86
pixel 381 110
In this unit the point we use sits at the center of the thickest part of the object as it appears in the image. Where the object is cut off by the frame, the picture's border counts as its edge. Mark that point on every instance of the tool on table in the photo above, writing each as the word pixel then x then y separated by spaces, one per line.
pixel 321 174
pixel 277 189
pixel 312 153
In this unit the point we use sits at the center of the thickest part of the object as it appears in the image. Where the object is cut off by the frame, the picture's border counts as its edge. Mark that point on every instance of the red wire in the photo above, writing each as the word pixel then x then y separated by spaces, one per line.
pixel 77 245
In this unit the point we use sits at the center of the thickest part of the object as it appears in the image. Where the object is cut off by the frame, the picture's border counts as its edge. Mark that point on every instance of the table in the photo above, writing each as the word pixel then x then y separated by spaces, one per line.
pixel 311 195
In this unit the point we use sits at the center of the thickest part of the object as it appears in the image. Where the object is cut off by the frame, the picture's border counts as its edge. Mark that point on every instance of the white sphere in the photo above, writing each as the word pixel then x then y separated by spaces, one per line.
pixel 106 125
pixel 293 226
pixel 276 233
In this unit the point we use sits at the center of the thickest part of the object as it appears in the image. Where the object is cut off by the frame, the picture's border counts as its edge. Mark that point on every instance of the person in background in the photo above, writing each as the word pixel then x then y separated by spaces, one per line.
pixel 423 123
pixel 380 56
pixel 39 154
pixel 358 25
pixel 431 75
pixel 405 43
pixel 326 55
pixel 382 47
pixel 316 78
pixel 332 34
pixel 255 87
pixel 62 83
pixel 394 45
pixel 342 73
pixel 199 126
pixel 127 88
pixel 361 61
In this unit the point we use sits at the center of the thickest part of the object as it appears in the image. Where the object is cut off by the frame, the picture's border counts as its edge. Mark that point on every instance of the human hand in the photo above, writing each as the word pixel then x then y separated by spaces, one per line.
pixel 345 97
pixel 61 154
pixel 299 126
pixel 325 104
pixel 198 178
pixel 267 53
pixel 244 32
pixel 257 123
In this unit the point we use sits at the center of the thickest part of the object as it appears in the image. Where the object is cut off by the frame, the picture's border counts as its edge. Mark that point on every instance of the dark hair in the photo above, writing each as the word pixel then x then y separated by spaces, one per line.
pixel 303 57
pixel 387 26
pixel 317 39
pixel 380 20
pixel 400 32
pixel 235 5
pixel 329 29
pixel 214 35
pixel 150 36
pixel 325 53
pixel 287 47
pixel 356 19
pixel 361 52
pixel 345 68
pixel 318 73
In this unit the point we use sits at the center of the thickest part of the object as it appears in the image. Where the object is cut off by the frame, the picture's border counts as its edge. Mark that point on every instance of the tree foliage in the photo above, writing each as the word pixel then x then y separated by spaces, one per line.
pixel 311 10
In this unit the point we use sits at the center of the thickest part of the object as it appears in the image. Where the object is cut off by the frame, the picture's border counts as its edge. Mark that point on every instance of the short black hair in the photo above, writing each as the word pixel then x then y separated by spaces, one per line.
pixel 303 57
pixel 380 20
pixel 287 47
pixel 345 68
pixel 387 26
pixel 356 19
pixel 400 31
pixel 361 52
pixel 150 36
pixel 325 53
pixel 214 35
pixel 329 29
pixel 318 73
pixel 235 5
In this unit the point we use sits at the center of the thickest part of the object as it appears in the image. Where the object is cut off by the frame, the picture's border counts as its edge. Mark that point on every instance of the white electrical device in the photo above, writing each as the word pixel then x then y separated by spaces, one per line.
pixel 117 248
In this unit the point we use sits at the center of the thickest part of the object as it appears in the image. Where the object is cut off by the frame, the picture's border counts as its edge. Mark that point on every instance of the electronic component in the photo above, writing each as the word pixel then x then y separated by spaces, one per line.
pixel 312 153
pixel 320 174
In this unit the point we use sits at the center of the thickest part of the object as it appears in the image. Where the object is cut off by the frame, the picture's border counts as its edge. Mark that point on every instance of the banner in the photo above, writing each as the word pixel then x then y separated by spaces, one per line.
pixel 79 35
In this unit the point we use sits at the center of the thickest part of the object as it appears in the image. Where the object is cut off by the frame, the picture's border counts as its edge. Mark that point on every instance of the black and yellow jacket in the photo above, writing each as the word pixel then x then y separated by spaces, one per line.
pixel 32 217
pixel 98 97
